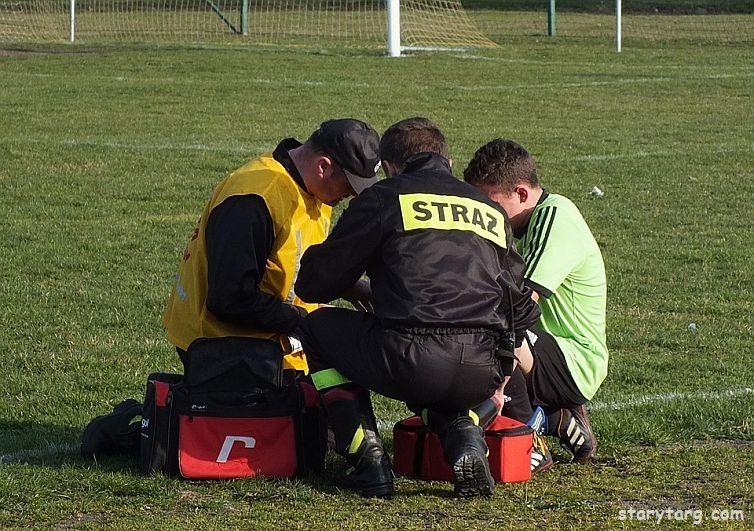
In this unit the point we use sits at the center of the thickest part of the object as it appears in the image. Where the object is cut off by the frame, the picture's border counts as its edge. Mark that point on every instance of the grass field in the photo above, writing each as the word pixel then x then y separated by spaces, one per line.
pixel 107 156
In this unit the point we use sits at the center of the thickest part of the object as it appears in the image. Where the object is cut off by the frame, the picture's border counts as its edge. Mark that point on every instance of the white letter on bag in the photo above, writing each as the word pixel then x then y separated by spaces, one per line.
pixel 248 442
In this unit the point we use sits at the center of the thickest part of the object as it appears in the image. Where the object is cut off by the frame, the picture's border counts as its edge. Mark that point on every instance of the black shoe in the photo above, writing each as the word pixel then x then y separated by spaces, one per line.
pixel 575 434
pixel 114 433
pixel 371 476
pixel 466 452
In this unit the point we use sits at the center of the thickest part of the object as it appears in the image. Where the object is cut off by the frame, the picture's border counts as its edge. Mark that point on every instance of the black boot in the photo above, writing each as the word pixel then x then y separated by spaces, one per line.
pixel 114 433
pixel 370 473
pixel 466 452
pixel 349 413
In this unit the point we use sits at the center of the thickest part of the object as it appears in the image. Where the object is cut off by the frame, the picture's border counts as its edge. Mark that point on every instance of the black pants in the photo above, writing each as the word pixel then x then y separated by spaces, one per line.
pixel 517 405
pixel 444 369
pixel 550 382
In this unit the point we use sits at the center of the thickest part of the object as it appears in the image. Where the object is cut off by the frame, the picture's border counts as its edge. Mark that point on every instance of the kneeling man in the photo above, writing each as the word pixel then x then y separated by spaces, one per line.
pixel 565 356
pixel 447 291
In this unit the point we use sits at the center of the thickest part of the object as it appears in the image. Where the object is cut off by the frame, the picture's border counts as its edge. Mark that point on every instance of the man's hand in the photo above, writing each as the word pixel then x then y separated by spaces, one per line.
pixel 360 295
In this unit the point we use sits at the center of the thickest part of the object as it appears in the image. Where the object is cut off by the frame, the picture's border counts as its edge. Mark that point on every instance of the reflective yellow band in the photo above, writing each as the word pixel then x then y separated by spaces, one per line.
pixel 296 361
pixel 356 441
pixel 449 212
pixel 328 378
pixel 474 417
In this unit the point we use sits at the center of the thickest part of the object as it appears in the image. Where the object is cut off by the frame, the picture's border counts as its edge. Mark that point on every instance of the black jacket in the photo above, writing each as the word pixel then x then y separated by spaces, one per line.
pixel 462 272
pixel 239 239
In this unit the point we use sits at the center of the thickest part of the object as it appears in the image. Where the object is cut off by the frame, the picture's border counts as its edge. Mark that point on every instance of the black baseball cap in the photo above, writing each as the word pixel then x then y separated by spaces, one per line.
pixel 354 146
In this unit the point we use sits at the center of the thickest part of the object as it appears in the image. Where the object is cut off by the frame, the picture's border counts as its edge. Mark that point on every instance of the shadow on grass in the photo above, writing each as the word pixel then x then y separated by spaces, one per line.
pixel 55 446
pixel 58 447
pixel 52 446
pixel 23 439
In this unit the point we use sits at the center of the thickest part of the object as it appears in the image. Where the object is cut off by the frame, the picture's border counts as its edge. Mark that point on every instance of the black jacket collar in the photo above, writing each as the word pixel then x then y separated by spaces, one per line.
pixel 542 197
pixel 284 158
pixel 520 234
pixel 426 161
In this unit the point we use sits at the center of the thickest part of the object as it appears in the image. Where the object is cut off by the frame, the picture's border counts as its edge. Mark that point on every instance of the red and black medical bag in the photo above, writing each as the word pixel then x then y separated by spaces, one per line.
pixel 233 415
pixel 418 453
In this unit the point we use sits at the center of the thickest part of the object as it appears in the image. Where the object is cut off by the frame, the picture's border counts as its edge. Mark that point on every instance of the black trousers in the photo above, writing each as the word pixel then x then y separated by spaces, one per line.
pixel 549 385
pixel 517 405
pixel 550 382
pixel 443 369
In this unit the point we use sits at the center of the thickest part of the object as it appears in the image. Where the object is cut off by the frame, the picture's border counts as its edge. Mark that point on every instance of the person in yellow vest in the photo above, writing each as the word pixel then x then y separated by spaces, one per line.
pixel 237 273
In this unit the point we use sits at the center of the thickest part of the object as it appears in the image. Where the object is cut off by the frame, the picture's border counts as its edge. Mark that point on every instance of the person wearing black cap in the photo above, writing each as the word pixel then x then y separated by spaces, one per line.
pixel 449 309
pixel 236 275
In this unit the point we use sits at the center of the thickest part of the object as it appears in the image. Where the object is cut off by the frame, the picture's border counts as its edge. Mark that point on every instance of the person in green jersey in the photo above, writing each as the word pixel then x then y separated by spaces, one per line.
pixel 564 359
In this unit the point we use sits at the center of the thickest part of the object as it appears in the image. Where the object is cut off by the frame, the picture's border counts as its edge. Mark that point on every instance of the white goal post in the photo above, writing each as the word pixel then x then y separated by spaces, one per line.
pixel 72 31
pixel 393 25
pixel 618 25
pixel 396 26
pixel 393 28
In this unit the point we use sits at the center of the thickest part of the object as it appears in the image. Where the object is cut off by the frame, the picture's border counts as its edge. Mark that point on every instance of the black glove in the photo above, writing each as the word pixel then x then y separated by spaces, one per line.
pixel 360 295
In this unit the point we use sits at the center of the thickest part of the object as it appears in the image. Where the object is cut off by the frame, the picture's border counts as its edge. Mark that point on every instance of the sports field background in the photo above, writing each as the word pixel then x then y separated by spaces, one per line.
pixel 363 23
pixel 108 154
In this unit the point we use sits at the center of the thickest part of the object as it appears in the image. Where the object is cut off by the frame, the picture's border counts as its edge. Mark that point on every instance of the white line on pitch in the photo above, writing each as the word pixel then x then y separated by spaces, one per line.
pixel 643 154
pixel 188 80
pixel 346 84
pixel 569 64
pixel 631 403
pixel 36 453
pixel 244 150
pixel 628 81
pixel 251 150
pixel 664 398
pixel 170 146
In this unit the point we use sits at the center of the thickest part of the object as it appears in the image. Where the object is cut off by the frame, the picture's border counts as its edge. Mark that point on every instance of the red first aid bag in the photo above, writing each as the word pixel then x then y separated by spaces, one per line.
pixel 211 447
pixel 233 415
pixel 280 433
pixel 418 453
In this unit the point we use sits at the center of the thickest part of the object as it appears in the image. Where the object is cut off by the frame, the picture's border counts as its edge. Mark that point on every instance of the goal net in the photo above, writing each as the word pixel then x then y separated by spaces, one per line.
pixel 644 22
pixel 328 23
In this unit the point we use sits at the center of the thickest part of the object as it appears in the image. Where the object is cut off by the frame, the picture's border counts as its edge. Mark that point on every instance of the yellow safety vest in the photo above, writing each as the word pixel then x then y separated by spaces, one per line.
pixel 299 221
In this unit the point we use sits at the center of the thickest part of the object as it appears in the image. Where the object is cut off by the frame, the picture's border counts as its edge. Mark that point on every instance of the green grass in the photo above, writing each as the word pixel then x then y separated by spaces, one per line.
pixel 108 155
